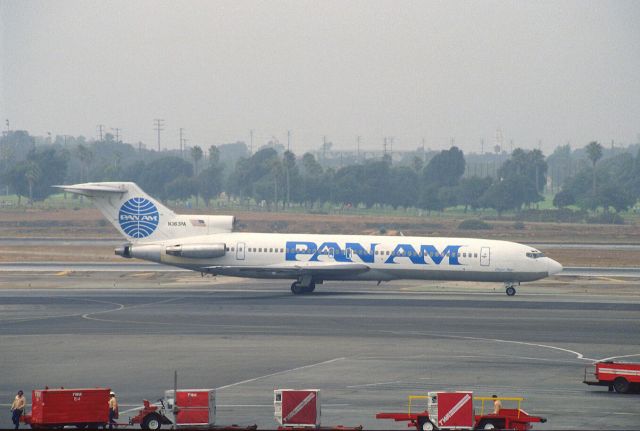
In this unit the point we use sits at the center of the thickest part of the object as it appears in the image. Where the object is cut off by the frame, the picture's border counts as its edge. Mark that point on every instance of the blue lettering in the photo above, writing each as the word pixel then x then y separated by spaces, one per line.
pixel 359 250
pixel 437 257
pixel 324 249
pixel 405 250
pixel 292 249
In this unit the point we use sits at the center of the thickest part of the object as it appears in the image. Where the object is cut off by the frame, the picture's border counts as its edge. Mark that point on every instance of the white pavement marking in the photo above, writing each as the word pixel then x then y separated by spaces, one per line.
pixel 618 357
pixel 280 372
pixel 498 340
pixel 375 384
pixel 120 307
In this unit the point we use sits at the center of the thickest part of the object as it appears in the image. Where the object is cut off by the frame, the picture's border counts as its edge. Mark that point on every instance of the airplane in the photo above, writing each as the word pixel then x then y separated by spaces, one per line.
pixel 208 244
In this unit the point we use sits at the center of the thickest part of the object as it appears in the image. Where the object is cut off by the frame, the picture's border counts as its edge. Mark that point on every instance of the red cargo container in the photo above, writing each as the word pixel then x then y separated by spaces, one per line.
pixel 455 410
pixel 297 408
pixel 196 407
pixel 59 407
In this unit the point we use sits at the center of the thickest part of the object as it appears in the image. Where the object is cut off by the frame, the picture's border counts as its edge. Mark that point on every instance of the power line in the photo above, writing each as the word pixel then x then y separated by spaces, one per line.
pixel 159 122
pixel 181 143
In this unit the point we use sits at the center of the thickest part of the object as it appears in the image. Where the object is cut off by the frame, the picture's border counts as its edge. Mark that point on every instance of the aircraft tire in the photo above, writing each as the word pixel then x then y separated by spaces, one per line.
pixel 310 288
pixel 297 288
pixel 511 291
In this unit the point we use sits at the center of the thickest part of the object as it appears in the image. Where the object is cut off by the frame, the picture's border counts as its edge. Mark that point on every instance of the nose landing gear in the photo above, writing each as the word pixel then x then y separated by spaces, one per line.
pixel 509 287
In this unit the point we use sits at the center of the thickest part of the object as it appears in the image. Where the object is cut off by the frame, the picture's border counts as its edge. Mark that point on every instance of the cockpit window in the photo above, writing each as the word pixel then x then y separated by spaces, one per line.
pixel 535 254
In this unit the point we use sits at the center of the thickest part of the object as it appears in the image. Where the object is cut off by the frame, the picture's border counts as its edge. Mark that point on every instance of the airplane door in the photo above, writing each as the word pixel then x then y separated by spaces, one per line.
pixel 485 256
pixel 240 251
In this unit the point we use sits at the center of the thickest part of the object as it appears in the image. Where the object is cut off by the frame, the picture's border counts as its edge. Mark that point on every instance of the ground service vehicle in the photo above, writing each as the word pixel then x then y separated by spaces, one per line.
pixel 623 377
pixel 57 408
pixel 455 411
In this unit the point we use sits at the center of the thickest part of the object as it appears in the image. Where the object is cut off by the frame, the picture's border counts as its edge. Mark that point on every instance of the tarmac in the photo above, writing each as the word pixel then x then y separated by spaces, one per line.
pixel 366 347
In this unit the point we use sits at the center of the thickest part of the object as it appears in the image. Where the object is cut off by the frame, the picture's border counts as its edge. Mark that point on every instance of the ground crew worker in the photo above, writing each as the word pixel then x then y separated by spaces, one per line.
pixel 113 410
pixel 17 408
pixel 497 405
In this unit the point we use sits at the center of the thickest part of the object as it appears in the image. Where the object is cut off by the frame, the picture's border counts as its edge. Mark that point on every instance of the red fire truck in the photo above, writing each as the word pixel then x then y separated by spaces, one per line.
pixel 623 377
pixel 455 411
pixel 57 408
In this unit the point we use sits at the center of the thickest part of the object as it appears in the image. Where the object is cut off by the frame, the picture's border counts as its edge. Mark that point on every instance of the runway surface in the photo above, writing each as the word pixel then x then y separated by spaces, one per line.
pixel 365 347
pixel 138 266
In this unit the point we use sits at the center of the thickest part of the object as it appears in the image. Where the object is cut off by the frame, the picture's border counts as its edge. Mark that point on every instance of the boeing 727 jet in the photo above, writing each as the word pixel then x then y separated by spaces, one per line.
pixel 207 244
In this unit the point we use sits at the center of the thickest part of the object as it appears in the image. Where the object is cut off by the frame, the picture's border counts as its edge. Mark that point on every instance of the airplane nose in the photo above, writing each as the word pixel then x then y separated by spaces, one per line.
pixel 553 267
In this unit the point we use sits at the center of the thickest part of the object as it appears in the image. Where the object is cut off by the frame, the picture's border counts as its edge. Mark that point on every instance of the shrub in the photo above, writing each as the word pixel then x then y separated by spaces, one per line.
pixel 605 218
pixel 474 224
pixel 519 225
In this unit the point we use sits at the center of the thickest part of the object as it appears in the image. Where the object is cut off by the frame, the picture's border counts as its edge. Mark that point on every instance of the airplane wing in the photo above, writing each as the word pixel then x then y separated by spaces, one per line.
pixel 294 269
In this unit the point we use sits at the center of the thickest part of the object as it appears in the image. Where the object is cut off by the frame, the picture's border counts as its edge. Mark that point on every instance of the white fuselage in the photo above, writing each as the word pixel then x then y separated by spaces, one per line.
pixel 385 257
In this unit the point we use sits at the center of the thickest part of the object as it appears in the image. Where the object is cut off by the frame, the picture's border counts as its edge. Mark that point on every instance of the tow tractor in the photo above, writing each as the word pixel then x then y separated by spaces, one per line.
pixel 455 411
pixel 190 408
pixel 621 376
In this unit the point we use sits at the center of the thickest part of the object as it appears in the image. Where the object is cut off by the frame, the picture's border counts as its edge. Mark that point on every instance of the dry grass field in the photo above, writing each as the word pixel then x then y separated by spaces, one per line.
pixel 88 223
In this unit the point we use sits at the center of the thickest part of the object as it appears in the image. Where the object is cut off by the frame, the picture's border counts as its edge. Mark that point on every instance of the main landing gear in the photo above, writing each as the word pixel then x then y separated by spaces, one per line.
pixel 509 286
pixel 305 285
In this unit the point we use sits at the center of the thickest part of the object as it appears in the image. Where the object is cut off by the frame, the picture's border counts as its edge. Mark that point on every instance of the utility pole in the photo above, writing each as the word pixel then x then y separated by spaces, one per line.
pixel 8 129
pixel 324 147
pixel 251 142
pixel 117 130
pixel 181 143
pixel 159 122
pixel 481 146
pixel 357 148
pixel 288 140
pixel 100 129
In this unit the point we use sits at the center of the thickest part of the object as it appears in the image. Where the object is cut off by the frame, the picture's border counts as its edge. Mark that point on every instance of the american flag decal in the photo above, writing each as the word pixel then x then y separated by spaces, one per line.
pixel 198 223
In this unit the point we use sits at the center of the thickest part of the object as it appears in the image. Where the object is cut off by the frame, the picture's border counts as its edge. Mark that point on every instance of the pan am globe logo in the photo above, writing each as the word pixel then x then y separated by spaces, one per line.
pixel 138 217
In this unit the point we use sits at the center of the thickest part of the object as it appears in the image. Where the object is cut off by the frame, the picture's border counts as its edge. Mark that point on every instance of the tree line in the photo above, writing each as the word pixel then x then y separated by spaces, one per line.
pixel 277 178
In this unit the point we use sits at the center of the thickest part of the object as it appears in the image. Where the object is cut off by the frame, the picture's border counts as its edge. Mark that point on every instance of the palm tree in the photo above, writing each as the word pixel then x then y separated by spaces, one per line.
pixel 196 155
pixel 86 157
pixel 594 152
pixel 32 175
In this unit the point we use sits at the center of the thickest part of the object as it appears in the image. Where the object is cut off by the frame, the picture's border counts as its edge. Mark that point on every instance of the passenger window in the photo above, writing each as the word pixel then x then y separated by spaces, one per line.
pixel 271 250
pixel 233 249
pixel 475 255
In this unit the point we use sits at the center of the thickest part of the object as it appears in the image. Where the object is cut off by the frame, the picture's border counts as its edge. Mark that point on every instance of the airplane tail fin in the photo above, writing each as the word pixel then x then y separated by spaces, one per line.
pixel 138 216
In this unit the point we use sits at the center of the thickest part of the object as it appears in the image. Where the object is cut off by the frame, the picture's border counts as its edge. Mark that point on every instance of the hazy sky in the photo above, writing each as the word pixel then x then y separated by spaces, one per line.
pixel 551 71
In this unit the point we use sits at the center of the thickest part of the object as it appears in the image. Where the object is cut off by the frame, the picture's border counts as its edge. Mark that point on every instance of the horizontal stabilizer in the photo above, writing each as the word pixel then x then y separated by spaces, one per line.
pixel 90 189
